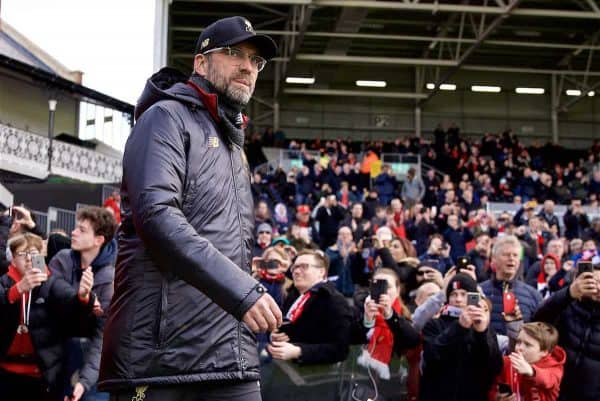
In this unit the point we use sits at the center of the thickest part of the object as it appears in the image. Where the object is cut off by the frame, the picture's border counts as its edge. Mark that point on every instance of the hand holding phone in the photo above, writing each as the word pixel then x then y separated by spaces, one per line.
pixel 509 302
pixel 473 298
pixel 378 287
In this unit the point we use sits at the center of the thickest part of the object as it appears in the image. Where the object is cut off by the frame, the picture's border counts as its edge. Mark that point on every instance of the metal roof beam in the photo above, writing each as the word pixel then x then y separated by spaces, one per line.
pixel 332 58
pixel 425 7
pixel 352 93
pixel 570 103
pixel 411 38
pixel 480 39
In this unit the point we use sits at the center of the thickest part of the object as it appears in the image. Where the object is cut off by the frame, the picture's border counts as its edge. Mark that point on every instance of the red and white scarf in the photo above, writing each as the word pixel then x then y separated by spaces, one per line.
pixel 378 354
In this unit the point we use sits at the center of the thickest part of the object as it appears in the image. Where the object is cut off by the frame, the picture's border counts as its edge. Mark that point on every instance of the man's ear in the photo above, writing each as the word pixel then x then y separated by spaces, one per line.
pixel 99 240
pixel 200 64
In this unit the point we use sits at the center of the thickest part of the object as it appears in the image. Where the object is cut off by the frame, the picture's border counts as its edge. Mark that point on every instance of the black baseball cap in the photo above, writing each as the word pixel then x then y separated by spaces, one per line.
pixel 231 31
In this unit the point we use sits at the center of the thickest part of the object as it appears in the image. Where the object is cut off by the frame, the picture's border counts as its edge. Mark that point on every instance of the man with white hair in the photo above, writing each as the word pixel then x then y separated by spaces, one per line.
pixel 503 289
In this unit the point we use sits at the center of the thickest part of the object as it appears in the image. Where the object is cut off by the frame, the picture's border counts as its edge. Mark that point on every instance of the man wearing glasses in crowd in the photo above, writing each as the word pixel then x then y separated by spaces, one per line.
pixel 185 305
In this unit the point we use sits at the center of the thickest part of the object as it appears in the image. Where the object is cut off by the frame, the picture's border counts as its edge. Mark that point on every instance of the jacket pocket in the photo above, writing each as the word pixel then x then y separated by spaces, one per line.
pixel 161 322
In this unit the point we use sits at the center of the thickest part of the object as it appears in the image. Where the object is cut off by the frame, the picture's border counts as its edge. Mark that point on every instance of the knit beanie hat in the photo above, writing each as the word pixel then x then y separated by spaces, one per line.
pixel 461 281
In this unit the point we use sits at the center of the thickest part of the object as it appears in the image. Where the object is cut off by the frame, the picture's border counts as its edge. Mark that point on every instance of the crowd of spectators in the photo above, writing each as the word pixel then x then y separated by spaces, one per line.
pixel 418 232
pixel 481 306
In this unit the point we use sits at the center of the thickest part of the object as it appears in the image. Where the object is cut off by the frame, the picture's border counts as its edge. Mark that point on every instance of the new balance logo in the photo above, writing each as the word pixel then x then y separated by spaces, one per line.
pixel 213 142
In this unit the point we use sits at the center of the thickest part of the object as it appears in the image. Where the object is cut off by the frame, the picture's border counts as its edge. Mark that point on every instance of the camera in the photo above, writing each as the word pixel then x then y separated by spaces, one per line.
pixel 268 264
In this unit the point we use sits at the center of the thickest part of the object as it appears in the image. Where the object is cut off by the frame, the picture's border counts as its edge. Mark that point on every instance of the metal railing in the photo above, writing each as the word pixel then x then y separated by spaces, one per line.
pixel 41 220
pixel 60 219
pixel 497 208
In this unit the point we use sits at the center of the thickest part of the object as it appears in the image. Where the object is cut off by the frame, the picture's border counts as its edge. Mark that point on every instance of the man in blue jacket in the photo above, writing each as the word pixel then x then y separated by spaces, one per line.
pixel 503 288
pixel 92 247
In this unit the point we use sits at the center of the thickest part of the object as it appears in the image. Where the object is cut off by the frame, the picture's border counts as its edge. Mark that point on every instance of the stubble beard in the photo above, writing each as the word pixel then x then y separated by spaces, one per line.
pixel 225 86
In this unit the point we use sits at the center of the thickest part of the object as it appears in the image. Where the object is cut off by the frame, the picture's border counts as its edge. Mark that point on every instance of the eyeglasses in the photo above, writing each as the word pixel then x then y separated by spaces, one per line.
pixel 24 254
pixel 237 54
pixel 303 266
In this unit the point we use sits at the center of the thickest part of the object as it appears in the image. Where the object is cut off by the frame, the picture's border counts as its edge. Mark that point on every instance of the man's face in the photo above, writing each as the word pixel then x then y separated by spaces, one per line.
pixel 556 248
pixel 83 237
pixel 435 246
pixel 507 262
pixel 529 347
pixel 396 205
pixel 264 237
pixel 345 235
pixel 306 273
pixel 233 78
pixel 453 221
pixel 549 206
pixel 483 244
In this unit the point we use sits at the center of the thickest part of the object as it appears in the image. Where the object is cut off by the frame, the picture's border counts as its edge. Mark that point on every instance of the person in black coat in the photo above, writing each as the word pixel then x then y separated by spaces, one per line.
pixel 387 325
pixel 575 312
pixel 318 318
pixel 38 312
pixel 460 352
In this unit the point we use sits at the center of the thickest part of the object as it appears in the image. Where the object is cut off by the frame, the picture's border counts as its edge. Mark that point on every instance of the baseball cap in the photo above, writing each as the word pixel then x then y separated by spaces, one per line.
pixel 231 31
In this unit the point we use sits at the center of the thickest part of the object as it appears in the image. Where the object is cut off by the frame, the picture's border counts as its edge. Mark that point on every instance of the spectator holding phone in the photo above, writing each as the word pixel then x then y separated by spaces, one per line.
pixel 319 316
pixel 534 371
pixel 439 251
pixel 37 309
pixel 270 270
pixel 388 322
pixel 575 312
pixel 503 289
pixel 460 352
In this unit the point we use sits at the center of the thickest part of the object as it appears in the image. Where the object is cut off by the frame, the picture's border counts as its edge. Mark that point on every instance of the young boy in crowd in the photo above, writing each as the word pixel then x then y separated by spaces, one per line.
pixel 535 369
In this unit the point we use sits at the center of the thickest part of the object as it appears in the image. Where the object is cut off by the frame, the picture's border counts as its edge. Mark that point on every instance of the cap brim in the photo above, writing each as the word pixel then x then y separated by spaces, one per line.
pixel 265 45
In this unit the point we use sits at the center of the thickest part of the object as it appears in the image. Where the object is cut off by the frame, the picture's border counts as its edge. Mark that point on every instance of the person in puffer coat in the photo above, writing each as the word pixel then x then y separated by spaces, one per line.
pixel 185 308
pixel 575 312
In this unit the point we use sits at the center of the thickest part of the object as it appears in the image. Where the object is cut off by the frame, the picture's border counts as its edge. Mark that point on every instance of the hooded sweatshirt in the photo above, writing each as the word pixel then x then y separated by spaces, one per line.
pixel 544 385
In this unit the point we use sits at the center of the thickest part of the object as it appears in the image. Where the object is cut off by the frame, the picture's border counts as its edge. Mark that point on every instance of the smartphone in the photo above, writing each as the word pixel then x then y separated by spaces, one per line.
pixel 509 302
pixel 584 267
pixel 38 262
pixel 378 287
pixel 473 298
pixel 504 388
pixel 461 263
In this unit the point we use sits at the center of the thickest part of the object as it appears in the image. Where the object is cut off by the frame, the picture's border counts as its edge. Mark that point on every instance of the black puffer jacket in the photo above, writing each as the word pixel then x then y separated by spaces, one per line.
pixel 182 279
pixel 55 315
pixel 578 325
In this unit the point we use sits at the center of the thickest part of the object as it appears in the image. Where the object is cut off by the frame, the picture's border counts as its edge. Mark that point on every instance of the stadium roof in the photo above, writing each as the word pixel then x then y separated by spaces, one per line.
pixel 340 41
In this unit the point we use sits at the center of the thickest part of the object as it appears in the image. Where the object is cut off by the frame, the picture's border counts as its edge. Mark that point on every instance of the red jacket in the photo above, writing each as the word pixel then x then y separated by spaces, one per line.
pixel 544 385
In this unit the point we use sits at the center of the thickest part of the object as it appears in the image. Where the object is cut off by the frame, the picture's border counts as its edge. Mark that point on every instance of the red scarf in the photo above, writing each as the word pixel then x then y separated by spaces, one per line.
pixel 379 352
pixel 271 277
pixel 298 307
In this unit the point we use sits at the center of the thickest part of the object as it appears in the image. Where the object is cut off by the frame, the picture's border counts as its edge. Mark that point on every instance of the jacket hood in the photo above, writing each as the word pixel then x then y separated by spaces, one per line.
pixel 167 83
pixel 107 256
pixel 557 357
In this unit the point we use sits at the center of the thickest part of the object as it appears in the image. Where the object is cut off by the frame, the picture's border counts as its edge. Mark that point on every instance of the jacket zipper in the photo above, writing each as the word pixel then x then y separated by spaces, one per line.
pixel 239 326
pixel 162 318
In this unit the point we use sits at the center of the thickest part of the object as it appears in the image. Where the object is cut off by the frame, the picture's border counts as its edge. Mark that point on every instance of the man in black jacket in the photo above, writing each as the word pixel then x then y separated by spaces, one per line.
pixel 185 305
pixel 575 311
pixel 460 351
